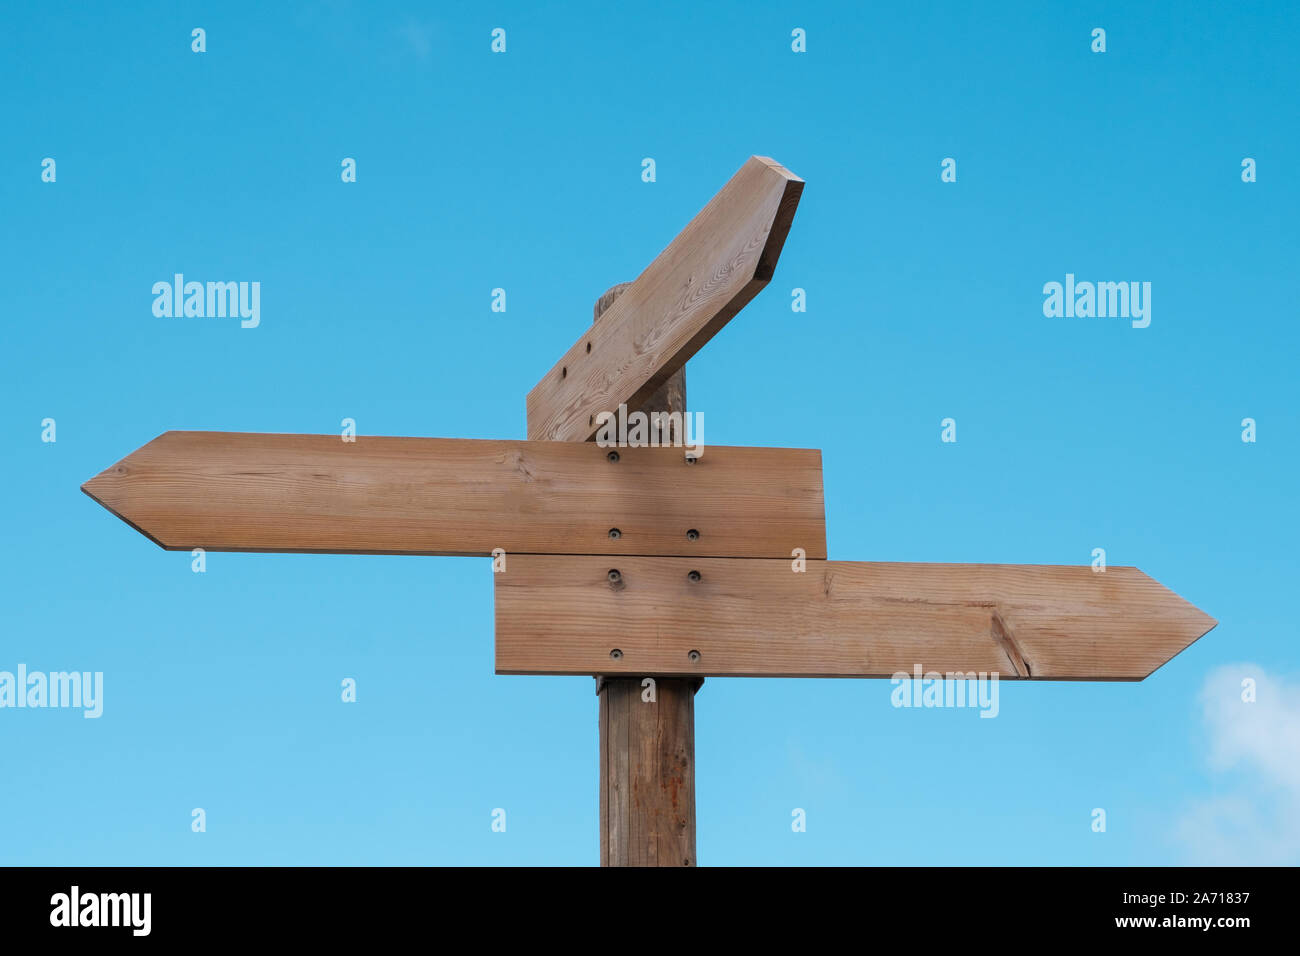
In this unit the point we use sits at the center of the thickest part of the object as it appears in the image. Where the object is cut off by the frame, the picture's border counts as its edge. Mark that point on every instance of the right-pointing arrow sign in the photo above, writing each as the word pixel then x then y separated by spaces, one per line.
pixel 762 618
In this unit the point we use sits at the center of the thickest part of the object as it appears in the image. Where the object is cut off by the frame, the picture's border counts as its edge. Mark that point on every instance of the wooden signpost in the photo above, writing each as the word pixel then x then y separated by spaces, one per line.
pixel 639 562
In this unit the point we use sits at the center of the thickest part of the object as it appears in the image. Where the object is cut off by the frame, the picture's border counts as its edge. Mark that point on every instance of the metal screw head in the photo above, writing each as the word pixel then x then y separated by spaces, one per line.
pixel 693 576
pixel 693 657
pixel 692 535
pixel 614 575
pixel 615 654
pixel 615 533
pixel 612 456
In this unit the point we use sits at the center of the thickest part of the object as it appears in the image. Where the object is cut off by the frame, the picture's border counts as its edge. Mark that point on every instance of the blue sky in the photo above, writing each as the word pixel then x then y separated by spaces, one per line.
pixel 522 170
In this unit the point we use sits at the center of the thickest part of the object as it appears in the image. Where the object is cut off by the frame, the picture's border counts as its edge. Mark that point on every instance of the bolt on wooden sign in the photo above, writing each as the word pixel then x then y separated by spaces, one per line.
pixel 651 560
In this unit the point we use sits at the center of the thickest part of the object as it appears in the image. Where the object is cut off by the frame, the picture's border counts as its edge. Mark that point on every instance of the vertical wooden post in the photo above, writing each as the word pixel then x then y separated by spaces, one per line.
pixel 647 772
pixel 647 748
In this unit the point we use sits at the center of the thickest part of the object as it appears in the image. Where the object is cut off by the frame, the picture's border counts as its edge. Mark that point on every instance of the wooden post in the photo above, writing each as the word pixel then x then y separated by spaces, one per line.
pixel 647 772
pixel 647 748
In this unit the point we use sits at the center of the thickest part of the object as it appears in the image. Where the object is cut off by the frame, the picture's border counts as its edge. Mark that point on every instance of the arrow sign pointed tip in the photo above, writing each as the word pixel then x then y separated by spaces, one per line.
pixel 110 490
pixel 1193 622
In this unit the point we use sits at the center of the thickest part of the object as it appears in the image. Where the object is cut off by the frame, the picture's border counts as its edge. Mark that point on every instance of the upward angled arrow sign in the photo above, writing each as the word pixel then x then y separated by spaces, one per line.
pixel 639 561
pixel 720 261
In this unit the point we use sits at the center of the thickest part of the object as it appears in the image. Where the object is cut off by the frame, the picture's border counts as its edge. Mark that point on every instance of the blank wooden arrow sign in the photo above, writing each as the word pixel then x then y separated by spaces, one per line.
pixel 720 261
pixel 746 618
pixel 228 491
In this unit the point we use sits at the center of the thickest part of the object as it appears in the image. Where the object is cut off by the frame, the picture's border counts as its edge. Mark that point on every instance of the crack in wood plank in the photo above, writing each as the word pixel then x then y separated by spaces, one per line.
pixel 1005 640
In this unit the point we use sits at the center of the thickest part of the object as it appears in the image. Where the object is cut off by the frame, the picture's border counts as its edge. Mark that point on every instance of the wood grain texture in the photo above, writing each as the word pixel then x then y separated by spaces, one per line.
pixel 757 618
pixel 647 773
pixel 720 261
pixel 670 396
pixel 228 491
pixel 647 748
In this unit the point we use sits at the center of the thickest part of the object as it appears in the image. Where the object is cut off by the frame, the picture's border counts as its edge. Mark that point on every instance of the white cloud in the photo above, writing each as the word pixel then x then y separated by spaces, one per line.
pixel 1254 754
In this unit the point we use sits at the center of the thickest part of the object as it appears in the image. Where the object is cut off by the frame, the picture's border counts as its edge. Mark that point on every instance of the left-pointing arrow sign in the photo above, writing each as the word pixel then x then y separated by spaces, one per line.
pixel 228 491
